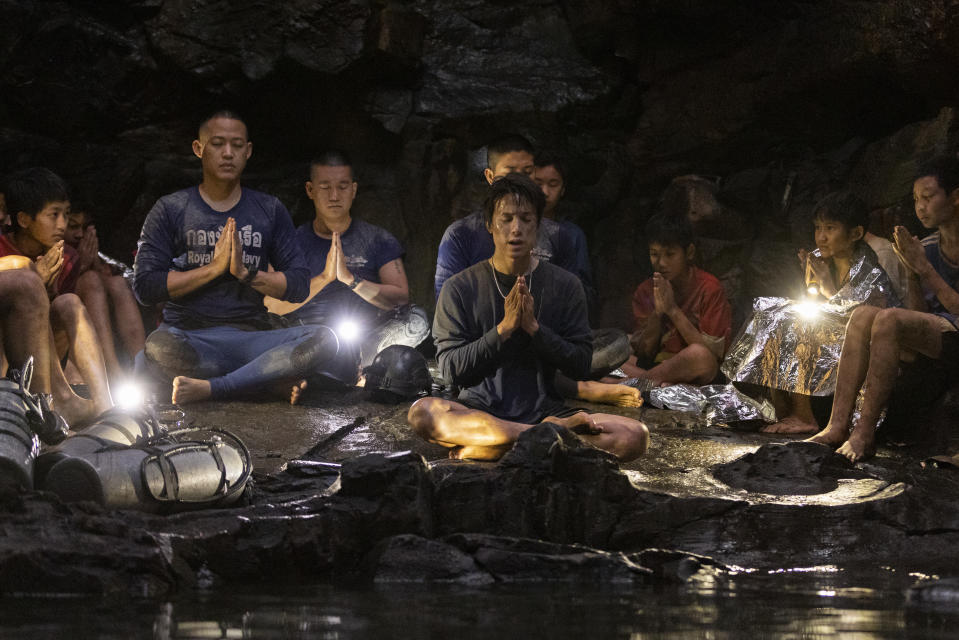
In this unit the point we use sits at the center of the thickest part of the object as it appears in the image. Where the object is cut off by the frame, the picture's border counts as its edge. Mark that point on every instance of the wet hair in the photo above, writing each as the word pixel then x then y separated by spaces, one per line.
pixel 30 190
pixel 333 158
pixel 945 169
pixel 843 207
pixel 517 185
pixel 669 231
pixel 550 159
pixel 506 144
pixel 222 113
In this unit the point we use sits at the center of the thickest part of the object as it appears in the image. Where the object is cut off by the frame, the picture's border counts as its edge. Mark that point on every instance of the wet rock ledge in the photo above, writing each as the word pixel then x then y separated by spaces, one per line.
pixel 551 509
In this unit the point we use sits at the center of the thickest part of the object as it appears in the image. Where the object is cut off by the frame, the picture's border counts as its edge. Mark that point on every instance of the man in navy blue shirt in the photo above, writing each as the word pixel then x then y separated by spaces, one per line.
pixel 467 241
pixel 204 252
pixel 357 279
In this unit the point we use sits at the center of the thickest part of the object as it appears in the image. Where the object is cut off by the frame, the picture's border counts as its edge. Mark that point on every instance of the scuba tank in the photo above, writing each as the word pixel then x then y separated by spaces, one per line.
pixel 19 446
pixel 24 416
pixel 114 427
pixel 156 474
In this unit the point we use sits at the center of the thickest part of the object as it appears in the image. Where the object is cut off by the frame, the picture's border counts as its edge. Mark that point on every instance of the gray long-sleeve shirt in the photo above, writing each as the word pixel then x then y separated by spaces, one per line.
pixel 513 379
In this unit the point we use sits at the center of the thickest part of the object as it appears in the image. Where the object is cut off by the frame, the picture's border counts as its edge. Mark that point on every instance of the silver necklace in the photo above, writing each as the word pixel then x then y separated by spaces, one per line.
pixel 528 276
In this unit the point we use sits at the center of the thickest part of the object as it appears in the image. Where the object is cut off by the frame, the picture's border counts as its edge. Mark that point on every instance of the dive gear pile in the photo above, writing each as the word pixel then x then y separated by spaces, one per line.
pixel 127 459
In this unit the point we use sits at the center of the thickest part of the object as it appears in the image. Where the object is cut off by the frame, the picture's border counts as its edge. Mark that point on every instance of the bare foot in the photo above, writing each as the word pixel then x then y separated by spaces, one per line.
pixel 297 391
pixel 790 424
pixel 190 390
pixel 580 422
pixel 616 394
pixel 830 436
pixel 77 411
pixel 476 452
pixel 631 370
pixel 858 447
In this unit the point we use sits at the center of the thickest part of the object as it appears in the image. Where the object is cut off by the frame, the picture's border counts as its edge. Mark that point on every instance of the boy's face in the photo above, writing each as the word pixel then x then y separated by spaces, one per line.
pixel 671 260
pixel 332 190
pixel 514 226
pixel 933 205
pixel 834 239
pixel 74 232
pixel 551 182
pixel 49 225
pixel 512 162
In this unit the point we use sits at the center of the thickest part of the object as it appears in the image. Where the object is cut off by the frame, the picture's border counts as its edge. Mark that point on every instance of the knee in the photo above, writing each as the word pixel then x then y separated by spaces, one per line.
pixel 636 444
pixel 89 282
pixel 26 285
pixel 420 416
pixel 67 306
pixel 170 352
pixel 704 362
pixel 317 346
pixel 862 318
pixel 117 286
pixel 886 325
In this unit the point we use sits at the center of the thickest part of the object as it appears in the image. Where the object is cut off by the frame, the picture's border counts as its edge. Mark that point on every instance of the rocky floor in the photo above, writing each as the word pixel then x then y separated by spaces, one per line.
pixel 706 501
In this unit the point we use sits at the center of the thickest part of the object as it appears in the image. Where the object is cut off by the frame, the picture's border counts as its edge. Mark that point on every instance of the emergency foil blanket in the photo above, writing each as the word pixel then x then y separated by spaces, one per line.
pixel 723 404
pixel 794 345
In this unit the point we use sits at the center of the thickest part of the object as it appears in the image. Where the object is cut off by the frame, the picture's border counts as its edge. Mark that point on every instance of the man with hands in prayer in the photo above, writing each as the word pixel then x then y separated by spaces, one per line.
pixel 503 329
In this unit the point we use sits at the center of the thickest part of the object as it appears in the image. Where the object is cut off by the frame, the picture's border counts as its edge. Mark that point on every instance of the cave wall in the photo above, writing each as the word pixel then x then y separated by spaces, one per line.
pixel 763 100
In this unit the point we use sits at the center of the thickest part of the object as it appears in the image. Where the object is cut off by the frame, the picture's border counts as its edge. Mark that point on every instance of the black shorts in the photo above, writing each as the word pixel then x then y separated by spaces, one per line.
pixel 924 380
pixel 558 411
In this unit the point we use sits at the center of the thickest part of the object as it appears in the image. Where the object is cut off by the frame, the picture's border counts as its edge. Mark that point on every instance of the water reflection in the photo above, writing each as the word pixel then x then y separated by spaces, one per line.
pixel 817 602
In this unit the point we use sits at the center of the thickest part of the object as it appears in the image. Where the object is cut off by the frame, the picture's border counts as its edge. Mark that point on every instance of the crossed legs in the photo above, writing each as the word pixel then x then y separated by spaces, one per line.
pixel 470 433
pixel 695 364
pixel 223 362
pixel 876 341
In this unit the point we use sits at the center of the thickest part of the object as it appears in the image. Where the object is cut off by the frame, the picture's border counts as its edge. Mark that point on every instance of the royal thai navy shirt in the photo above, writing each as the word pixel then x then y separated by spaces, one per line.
pixel 180 234
pixel 366 248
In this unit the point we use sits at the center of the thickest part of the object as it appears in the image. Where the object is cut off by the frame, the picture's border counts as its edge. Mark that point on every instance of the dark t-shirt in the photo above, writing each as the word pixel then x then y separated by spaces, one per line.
pixel 180 234
pixel 366 248
pixel 946 269
pixel 512 380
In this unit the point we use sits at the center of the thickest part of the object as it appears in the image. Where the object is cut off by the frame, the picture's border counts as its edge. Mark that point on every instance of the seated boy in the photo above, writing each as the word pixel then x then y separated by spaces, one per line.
pixel 683 320
pixel 503 328
pixel 38 203
pixel 25 332
pixel 917 347
pixel 107 295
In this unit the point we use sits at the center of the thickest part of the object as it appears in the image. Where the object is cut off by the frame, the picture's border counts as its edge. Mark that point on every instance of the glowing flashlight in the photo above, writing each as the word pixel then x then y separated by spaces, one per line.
pixel 813 290
pixel 130 395
pixel 807 309
pixel 348 330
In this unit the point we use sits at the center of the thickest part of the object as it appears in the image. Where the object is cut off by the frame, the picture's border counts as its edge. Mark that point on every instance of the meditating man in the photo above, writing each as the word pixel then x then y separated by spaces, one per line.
pixel 357 279
pixel 502 328
pixel 204 251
